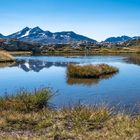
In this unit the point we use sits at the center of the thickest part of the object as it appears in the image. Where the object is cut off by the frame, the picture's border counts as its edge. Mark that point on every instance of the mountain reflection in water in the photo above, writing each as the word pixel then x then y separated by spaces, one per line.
pixel 36 65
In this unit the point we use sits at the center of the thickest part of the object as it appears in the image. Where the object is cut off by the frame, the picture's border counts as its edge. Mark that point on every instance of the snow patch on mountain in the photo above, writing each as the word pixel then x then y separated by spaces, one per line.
pixel 24 35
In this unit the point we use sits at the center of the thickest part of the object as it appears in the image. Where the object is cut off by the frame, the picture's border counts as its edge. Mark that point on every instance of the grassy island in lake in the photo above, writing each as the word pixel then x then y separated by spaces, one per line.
pixel 90 71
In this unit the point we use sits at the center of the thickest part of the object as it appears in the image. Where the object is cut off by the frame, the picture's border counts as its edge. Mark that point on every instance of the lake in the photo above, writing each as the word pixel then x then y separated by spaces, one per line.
pixel 121 89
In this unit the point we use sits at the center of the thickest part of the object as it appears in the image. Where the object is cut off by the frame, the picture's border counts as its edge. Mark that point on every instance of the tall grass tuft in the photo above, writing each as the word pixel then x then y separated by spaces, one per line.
pixel 86 118
pixel 26 101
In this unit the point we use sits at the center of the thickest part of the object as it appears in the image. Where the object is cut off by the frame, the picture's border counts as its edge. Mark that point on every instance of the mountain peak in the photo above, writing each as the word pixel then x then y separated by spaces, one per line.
pixel 37 27
pixel 36 30
pixel 27 28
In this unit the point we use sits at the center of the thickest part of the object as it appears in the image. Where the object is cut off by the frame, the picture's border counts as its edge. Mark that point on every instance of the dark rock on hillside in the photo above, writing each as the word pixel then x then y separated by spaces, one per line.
pixel 134 42
pixel 16 45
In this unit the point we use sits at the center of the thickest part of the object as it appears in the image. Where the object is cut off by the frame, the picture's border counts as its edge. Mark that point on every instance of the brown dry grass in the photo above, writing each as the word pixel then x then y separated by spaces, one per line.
pixel 6 57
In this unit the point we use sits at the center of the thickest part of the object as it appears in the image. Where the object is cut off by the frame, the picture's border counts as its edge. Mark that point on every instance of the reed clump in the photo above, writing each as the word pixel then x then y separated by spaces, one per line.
pixel 26 101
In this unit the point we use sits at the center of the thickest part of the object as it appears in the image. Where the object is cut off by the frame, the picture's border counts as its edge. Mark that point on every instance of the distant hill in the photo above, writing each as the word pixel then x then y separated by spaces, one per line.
pixel 118 39
pixel 37 35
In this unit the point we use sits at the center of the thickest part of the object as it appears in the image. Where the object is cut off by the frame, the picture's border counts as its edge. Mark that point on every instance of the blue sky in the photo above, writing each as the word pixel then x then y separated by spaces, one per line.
pixel 97 19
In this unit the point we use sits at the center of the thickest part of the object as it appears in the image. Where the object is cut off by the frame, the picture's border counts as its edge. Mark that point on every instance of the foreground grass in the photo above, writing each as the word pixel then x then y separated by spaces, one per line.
pixel 6 57
pixel 32 121
pixel 90 71
pixel 26 101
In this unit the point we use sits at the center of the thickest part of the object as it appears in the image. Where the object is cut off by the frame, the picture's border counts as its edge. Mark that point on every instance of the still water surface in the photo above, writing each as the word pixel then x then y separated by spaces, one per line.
pixel 120 89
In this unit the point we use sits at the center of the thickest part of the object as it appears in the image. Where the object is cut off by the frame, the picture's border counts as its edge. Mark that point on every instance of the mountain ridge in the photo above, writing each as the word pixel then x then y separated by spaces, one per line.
pixel 120 39
pixel 38 35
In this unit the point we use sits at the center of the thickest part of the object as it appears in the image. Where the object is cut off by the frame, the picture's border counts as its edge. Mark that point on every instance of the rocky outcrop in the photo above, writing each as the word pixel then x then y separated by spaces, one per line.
pixel 16 45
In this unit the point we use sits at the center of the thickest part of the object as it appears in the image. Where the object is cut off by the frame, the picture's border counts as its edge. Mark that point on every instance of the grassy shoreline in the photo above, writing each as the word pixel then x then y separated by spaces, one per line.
pixel 21 53
pixel 6 57
pixel 69 51
pixel 98 51
pixel 26 118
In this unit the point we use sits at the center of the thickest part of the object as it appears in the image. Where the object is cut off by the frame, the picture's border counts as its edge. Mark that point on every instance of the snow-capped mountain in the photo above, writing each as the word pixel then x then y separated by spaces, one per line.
pixel 37 35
